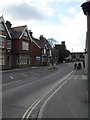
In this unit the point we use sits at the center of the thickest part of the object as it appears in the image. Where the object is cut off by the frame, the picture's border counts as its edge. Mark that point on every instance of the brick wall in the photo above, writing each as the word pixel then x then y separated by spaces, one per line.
pixel 36 52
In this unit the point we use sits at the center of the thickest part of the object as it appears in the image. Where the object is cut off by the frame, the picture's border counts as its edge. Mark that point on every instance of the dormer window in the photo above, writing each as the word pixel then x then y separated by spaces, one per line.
pixel 25 33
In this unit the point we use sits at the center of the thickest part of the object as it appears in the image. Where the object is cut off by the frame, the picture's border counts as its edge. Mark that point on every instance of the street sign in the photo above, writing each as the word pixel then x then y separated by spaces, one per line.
pixel 38 58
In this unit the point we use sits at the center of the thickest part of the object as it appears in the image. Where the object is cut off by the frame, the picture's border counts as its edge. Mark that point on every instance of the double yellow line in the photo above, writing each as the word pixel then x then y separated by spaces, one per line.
pixel 30 110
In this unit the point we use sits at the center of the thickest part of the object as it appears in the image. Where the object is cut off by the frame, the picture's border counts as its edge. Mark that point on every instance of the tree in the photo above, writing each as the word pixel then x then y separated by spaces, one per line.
pixel 52 41
pixel 62 52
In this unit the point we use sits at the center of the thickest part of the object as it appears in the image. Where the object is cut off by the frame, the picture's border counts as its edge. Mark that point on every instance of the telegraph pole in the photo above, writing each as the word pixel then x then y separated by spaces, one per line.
pixel 86 9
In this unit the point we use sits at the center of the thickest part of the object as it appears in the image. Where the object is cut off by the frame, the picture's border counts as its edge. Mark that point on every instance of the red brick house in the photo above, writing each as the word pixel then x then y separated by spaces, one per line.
pixel 41 51
pixel 20 46
pixel 5 45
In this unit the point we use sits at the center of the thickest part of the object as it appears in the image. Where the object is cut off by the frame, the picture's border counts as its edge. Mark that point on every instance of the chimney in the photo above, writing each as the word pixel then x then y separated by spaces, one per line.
pixel 31 33
pixel 63 43
pixel 41 37
pixel 8 23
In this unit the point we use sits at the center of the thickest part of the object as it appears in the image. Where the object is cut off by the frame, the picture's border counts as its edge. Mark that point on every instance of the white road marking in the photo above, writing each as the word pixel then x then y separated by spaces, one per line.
pixel 24 75
pixel 70 78
pixel 65 77
pixel 56 90
pixel 42 107
pixel 30 109
pixel 84 77
pixel 61 80
pixel 34 67
pixel 10 70
pixel 11 83
pixel 33 106
pixel 11 77
pixel 65 81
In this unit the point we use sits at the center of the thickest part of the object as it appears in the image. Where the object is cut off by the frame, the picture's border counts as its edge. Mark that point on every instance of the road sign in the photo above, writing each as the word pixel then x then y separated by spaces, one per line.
pixel 38 58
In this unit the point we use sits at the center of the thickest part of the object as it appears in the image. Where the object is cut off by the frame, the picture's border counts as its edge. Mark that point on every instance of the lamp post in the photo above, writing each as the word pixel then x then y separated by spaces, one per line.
pixel 86 9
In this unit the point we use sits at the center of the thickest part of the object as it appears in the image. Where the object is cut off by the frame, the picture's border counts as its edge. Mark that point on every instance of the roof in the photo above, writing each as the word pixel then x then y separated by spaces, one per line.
pixel 42 43
pixel 16 32
pixel 36 41
pixel 2 19
pixel 77 52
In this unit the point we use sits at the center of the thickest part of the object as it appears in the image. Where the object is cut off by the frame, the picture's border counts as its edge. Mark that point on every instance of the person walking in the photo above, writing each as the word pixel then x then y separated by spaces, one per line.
pixel 75 66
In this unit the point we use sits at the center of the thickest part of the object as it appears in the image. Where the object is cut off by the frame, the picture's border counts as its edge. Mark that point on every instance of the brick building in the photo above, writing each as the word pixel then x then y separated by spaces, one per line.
pixel 20 46
pixel 5 45
pixel 41 51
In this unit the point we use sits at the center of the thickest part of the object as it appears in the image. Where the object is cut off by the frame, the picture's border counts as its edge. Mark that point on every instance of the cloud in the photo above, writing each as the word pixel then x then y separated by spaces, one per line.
pixel 43 19
pixel 58 1
pixel 64 20
pixel 72 10
pixel 73 31
pixel 26 10
pixel 23 12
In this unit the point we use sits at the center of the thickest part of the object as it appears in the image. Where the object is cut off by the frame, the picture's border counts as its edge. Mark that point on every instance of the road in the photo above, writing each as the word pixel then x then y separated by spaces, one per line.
pixel 21 88
pixel 69 100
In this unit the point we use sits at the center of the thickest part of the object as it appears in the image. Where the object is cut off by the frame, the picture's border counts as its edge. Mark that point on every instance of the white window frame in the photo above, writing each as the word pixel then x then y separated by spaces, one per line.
pixel 23 59
pixel 44 51
pixel 50 52
pixel 2 42
pixel 25 34
pixel 8 44
pixel 25 45
pixel 2 27
pixel 1 59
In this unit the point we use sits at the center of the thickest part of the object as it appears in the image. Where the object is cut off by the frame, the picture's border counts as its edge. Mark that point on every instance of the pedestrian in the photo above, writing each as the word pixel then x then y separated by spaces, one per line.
pixel 79 66
pixel 83 64
pixel 75 66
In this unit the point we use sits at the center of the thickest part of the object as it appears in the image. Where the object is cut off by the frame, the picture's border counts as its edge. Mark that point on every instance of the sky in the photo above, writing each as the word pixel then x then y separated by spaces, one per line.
pixel 62 20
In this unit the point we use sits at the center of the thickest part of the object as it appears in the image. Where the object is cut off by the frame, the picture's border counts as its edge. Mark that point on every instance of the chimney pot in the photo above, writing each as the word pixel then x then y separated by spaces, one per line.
pixel 8 23
pixel 41 37
pixel 31 33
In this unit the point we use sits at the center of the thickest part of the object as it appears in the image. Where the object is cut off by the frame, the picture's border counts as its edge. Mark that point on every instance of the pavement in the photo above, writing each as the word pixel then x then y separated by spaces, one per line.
pixel 69 100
